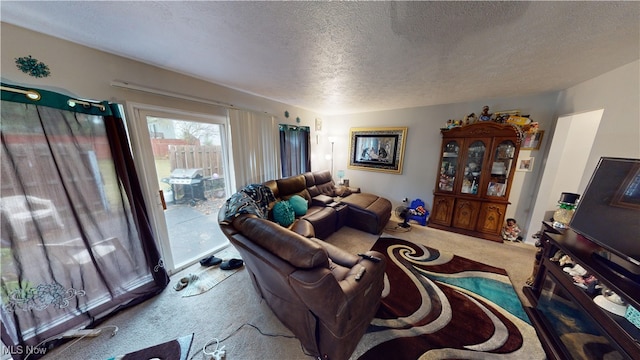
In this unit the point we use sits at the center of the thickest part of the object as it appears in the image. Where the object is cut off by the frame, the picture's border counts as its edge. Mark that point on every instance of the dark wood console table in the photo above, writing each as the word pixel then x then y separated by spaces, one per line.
pixel 569 323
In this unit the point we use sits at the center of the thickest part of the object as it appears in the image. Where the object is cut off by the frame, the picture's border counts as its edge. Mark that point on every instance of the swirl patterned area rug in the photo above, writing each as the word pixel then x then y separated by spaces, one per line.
pixel 442 306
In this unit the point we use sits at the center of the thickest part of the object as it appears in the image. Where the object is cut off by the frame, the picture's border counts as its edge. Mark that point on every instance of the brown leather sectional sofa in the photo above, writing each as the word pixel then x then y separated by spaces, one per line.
pixel 325 295
pixel 363 211
pixel 310 285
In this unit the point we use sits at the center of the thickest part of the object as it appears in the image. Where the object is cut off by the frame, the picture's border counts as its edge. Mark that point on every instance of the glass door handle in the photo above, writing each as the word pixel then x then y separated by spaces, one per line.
pixel 164 203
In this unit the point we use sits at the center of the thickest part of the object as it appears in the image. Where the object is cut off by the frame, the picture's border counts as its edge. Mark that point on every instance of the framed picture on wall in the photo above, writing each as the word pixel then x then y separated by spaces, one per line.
pixel 377 149
pixel 525 164
pixel 531 141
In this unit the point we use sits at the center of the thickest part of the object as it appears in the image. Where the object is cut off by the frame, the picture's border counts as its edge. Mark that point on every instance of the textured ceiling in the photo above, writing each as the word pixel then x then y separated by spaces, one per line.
pixel 344 57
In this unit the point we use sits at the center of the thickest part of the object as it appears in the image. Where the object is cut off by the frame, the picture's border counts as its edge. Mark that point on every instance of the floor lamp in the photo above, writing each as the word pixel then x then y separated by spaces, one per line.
pixel 332 140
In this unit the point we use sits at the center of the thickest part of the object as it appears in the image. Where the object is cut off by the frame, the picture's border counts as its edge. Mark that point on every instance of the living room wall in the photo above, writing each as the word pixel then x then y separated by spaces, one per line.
pixel 423 143
pixel 618 92
pixel 87 73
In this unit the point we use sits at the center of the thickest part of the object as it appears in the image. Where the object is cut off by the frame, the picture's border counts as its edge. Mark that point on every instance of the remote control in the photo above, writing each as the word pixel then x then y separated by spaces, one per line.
pixel 369 257
pixel 360 273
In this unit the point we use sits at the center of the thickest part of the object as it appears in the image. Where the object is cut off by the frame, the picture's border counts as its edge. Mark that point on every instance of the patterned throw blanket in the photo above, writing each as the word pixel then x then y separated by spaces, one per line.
pixel 252 199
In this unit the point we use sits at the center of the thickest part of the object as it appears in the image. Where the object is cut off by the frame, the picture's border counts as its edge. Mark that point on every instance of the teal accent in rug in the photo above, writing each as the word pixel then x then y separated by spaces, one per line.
pixel 435 307
pixel 496 291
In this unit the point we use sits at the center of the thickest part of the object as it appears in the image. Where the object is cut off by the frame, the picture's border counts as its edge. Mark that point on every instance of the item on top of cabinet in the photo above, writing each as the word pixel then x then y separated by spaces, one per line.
pixel 485 115
pixel 470 119
pixel 518 120
pixel 501 116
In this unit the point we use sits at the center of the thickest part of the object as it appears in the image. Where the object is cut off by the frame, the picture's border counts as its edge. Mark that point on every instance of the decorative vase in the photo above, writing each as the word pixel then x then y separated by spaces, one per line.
pixel 566 207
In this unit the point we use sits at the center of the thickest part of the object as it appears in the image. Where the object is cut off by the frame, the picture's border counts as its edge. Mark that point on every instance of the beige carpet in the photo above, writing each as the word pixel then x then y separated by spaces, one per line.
pixel 229 310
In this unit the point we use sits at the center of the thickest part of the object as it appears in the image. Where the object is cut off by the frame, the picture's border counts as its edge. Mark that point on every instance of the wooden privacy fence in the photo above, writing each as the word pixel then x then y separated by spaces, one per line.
pixel 205 157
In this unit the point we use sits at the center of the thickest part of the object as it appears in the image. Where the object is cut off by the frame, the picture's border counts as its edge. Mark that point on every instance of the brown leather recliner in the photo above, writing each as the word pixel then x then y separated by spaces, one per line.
pixel 310 285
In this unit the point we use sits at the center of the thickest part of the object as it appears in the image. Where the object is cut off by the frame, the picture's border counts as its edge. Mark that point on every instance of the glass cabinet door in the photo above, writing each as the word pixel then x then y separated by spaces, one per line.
pixel 501 168
pixel 448 166
pixel 473 167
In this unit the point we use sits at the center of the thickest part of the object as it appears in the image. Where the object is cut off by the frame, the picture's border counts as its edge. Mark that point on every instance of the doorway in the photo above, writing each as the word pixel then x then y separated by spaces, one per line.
pixel 184 166
pixel 565 164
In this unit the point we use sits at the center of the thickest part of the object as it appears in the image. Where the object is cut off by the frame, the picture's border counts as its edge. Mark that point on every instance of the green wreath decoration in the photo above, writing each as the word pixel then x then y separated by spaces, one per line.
pixel 32 67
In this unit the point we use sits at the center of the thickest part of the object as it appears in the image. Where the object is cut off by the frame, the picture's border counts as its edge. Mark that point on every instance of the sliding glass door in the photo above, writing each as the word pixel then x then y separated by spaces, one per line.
pixel 184 165
pixel 76 243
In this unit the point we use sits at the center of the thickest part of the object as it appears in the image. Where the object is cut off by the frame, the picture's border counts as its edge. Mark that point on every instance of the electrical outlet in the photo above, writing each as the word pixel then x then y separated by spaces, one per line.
pixel 82 333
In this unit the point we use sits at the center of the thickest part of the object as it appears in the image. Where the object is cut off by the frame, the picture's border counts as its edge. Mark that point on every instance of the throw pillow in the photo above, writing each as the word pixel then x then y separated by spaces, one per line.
pixel 299 205
pixel 283 213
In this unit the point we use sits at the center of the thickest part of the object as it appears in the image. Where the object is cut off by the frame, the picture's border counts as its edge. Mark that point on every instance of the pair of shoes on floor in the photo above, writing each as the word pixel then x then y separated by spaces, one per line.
pixel 210 261
pixel 231 264
pixel 185 281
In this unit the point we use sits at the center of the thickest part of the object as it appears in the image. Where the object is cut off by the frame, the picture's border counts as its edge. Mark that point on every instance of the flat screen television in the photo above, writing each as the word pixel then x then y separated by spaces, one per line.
pixel 609 213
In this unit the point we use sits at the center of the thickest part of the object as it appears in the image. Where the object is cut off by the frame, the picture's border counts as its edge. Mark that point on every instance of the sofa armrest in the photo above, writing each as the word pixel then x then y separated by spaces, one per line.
pixel 284 243
pixel 342 305
pixel 321 200
pixel 344 191
pixel 338 255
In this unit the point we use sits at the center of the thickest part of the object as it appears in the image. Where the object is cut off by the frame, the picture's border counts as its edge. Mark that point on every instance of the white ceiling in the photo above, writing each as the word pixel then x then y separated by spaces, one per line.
pixel 344 57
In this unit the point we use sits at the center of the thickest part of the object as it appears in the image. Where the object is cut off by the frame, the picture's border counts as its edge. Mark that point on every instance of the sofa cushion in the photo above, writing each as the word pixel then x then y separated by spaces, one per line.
pixel 322 200
pixel 289 246
pixel 324 220
pixel 294 185
pixel 367 212
pixel 324 183
pixel 283 213
pixel 299 205
pixel 291 185
pixel 361 200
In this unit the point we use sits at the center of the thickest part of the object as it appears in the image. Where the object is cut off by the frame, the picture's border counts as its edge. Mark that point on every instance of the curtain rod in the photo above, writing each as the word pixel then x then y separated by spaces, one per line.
pixel 30 94
pixel 130 86
pixel 35 96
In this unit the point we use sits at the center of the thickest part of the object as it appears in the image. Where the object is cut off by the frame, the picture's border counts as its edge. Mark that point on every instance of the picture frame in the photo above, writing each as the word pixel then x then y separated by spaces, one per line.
pixel 502 116
pixel 377 149
pixel 525 164
pixel 532 141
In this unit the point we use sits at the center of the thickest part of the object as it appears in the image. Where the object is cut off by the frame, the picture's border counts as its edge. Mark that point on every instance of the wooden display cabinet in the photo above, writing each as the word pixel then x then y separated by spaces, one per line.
pixel 476 169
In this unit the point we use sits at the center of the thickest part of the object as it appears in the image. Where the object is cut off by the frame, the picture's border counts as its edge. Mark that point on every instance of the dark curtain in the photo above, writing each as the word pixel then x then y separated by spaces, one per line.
pixel 77 244
pixel 295 149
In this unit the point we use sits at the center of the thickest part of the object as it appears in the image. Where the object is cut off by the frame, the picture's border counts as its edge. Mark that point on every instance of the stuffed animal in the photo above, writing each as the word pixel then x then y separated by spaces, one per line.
pixel 470 119
pixel 511 231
